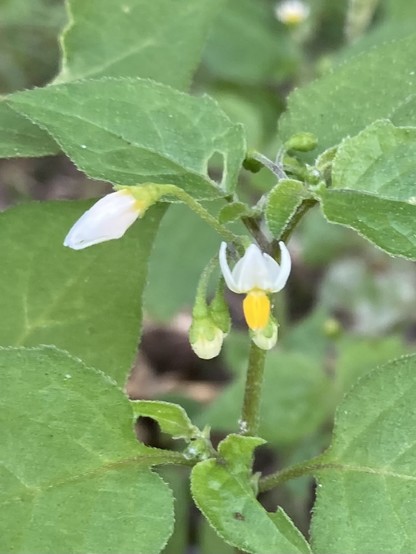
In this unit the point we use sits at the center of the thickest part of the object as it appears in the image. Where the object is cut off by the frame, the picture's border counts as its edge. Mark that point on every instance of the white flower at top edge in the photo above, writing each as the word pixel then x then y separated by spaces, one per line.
pixel 107 219
pixel 292 12
pixel 257 275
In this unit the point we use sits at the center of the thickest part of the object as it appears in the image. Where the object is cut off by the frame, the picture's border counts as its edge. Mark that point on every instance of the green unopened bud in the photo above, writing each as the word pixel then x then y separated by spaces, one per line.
pixel 219 311
pixel 266 338
pixel 302 142
pixel 205 337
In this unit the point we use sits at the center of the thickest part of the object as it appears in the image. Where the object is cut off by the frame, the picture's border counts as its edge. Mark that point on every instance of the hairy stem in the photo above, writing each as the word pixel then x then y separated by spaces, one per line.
pixel 250 415
pixel 299 470
pixel 196 207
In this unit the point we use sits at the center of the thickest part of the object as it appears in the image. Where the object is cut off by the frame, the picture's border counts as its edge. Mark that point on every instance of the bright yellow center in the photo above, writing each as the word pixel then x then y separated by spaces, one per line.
pixel 256 308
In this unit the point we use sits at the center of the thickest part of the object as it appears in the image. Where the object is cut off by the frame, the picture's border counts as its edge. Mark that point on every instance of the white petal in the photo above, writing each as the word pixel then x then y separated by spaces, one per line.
pixel 225 268
pixel 251 271
pixel 107 219
pixel 273 270
pixel 285 267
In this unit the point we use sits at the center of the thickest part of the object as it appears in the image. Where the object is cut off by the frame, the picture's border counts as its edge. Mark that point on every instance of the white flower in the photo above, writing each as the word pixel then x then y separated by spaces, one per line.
pixel 107 219
pixel 292 12
pixel 257 275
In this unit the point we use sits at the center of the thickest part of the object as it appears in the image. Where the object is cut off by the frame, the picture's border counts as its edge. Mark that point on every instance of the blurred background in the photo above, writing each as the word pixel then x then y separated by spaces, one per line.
pixel 348 306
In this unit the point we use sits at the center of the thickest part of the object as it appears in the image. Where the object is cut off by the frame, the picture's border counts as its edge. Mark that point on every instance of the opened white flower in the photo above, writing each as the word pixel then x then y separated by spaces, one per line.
pixel 292 12
pixel 107 219
pixel 257 275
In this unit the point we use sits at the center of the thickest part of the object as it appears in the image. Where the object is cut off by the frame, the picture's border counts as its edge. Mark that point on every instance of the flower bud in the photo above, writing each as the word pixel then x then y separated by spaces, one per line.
pixel 266 338
pixel 111 216
pixel 302 142
pixel 218 310
pixel 206 338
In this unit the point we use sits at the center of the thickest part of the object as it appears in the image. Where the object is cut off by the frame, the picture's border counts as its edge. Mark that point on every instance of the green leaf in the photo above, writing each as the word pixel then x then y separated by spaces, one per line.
pixel 380 160
pixel 328 107
pixel 233 212
pixel 367 485
pixel 292 533
pixel 237 452
pixel 86 302
pixel 283 202
pixel 19 137
pixel 248 45
pixel 130 131
pixel 71 476
pixel 177 233
pixel 294 401
pixel 225 496
pixel 387 224
pixel 171 418
pixel 136 38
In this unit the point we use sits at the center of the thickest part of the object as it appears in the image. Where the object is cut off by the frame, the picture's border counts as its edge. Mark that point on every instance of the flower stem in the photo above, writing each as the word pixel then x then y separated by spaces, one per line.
pixel 204 214
pixel 250 415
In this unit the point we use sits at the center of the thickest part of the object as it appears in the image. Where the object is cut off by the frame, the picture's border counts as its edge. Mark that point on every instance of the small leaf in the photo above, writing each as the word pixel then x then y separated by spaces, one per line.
pixel 130 131
pixel 380 160
pixel 283 202
pixel 387 224
pixel 367 483
pixel 233 212
pixel 71 474
pixel 227 500
pixel 87 302
pixel 328 106
pixel 172 418
pixel 237 451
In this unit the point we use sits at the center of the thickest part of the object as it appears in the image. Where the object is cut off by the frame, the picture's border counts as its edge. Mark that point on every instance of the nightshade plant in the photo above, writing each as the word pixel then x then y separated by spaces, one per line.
pixel 74 478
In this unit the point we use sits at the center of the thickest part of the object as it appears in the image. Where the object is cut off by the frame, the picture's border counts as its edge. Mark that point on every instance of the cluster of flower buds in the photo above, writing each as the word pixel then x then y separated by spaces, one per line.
pixel 256 274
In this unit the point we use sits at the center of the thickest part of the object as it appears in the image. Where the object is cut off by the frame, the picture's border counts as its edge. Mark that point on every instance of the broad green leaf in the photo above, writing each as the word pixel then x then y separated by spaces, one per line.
pixel 348 99
pixel 130 131
pixel 173 280
pixel 367 481
pixel 71 478
pixel 405 112
pixel 227 500
pixel 380 160
pixel 248 45
pixel 134 38
pixel 87 302
pixel 386 223
pixel 19 137
pixel 283 202
pixel 160 40
pixel 294 401
pixel 171 418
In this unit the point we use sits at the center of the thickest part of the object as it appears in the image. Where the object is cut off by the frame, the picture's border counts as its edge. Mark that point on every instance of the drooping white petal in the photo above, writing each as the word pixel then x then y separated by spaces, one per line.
pixel 225 268
pixel 285 267
pixel 107 219
pixel 273 270
pixel 251 271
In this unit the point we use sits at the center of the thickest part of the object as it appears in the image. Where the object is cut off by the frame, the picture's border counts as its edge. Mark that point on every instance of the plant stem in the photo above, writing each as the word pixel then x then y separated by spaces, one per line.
pixel 204 214
pixel 275 168
pixel 299 470
pixel 250 415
